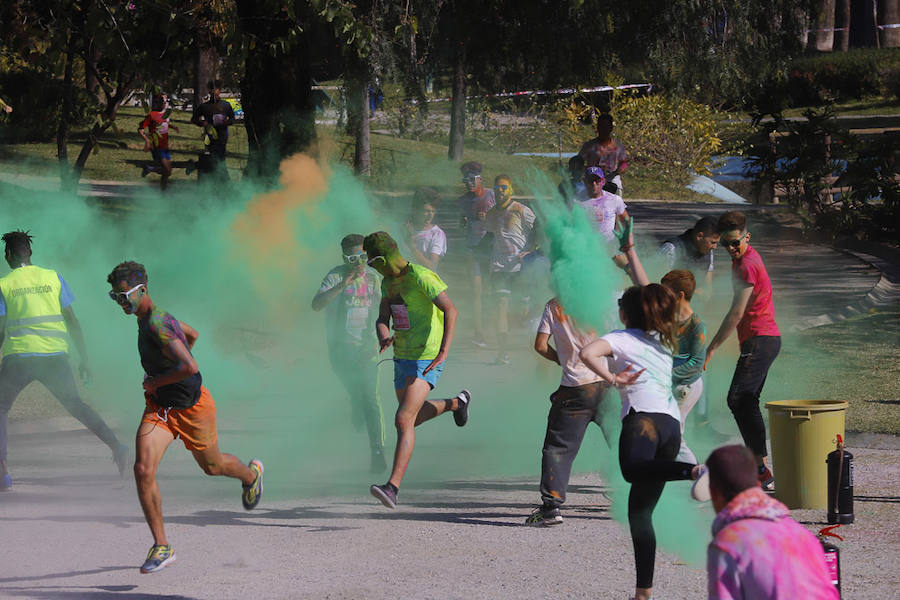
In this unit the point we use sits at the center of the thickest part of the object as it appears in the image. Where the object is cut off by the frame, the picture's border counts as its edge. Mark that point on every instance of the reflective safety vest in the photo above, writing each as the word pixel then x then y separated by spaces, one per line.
pixel 34 320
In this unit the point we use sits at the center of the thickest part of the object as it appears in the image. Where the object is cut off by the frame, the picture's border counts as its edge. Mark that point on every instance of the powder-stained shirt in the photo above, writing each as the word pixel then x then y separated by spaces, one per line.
pixel 568 340
pixel 606 156
pixel 759 316
pixel 652 392
pixel 687 362
pixel 157 126
pixel 351 316
pixel 473 208
pixel 602 212
pixel 431 241
pixel 418 324
pixel 156 332
pixel 513 228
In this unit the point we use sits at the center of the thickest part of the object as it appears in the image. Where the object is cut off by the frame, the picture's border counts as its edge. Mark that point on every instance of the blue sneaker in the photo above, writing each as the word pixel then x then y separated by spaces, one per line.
pixel 6 483
pixel 158 558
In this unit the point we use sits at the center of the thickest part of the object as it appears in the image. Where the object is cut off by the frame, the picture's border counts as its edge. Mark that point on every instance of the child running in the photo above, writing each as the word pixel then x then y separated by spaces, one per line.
pixel 177 405
pixel 157 125
pixel 690 335
pixel 573 406
pixel 640 365
pixel 424 320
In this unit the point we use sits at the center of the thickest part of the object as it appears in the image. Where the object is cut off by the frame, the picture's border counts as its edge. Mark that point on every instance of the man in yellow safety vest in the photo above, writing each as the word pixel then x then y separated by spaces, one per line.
pixel 36 318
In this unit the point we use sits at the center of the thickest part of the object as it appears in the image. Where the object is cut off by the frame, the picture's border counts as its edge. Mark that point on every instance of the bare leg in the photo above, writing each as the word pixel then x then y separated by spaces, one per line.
pixel 166 172
pixel 502 323
pixel 642 593
pixel 414 410
pixel 150 445
pixel 214 462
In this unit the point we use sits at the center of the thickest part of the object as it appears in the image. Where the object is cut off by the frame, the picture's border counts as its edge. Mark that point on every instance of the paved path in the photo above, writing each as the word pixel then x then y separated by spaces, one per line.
pixel 73 529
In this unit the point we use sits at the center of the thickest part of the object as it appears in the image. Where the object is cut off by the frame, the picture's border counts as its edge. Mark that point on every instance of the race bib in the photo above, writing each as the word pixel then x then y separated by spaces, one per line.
pixel 357 320
pixel 401 317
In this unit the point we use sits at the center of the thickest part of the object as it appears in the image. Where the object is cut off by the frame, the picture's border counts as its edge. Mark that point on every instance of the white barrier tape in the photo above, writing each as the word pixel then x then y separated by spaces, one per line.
pixel 829 29
pixel 889 26
pixel 600 88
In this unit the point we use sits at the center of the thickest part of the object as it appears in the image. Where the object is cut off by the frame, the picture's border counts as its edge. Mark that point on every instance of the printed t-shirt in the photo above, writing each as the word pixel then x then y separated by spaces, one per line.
pixel 512 228
pixel 352 315
pixel 652 392
pixel 431 241
pixel 418 324
pixel 471 206
pixel 569 341
pixel 759 316
pixel 602 212
pixel 157 126
pixel 216 114
pixel 157 331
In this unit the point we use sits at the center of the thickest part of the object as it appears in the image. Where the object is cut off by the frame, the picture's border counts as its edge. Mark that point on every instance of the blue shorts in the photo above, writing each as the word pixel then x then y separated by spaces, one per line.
pixel 404 368
pixel 160 154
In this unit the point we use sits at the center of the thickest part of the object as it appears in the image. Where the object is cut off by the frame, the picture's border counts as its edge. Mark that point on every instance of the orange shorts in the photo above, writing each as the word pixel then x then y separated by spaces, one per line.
pixel 196 426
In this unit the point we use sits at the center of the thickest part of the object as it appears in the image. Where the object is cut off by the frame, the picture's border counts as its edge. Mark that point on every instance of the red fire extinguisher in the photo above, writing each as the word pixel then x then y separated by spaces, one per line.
pixel 832 556
pixel 840 485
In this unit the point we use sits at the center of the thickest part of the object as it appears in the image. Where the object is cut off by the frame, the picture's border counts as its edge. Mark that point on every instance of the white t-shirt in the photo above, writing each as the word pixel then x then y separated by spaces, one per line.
pixel 652 392
pixel 431 241
pixel 569 341
pixel 602 212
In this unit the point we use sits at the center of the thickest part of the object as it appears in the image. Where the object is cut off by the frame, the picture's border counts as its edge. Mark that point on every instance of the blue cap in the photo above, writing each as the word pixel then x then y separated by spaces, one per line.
pixel 595 171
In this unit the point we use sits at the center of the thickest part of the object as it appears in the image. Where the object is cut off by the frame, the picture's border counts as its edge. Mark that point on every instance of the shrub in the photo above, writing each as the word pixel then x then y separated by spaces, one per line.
pixel 36 98
pixel 814 80
pixel 673 136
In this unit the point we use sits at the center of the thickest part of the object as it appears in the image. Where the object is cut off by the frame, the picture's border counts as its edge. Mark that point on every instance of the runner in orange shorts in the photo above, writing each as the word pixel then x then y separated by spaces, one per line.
pixel 178 406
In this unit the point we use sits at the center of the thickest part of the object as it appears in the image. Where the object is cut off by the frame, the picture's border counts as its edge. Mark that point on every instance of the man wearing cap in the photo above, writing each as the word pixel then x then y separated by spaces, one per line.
pixel 415 301
pixel 474 206
pixel 603 208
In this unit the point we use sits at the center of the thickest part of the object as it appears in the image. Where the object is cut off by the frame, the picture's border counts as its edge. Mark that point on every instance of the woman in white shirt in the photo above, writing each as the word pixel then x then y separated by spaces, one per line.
pixel 638 360
pixel 427 241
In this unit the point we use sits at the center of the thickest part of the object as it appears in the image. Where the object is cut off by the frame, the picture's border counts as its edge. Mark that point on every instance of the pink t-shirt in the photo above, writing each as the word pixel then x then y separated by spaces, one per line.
pixel 759 316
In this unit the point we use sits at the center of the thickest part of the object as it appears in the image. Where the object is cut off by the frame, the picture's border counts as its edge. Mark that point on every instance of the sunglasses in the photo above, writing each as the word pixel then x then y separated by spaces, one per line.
pixel 122 297
pixel 732 243
pixel 353 259
pixel 502 188
pixel 374 260
pixel 471 179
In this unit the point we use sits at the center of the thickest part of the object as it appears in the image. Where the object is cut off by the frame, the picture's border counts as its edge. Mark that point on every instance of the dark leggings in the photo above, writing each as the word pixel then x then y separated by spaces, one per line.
pixel 647 446
pixel 55 373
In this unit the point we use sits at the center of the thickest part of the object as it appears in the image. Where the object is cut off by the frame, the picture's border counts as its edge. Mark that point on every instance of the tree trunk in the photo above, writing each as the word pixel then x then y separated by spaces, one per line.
pixel 843 37
pixel 91 56
pixel 359 98
pixel 113 102
pixel 65 115
pixel 458 107
pixel 278 112
pixel 890 17
pixel 824 26
pixel 205 60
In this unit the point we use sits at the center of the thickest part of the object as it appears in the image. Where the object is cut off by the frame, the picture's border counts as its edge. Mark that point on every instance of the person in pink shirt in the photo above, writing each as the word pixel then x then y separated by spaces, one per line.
pixel 752 313
pixel 758 551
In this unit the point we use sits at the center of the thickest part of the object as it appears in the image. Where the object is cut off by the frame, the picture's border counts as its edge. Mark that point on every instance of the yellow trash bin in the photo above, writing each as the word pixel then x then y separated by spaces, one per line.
pixel 803 432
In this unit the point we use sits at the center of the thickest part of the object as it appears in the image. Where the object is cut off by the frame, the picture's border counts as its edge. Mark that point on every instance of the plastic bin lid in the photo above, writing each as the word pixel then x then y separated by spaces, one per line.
pixel 810 405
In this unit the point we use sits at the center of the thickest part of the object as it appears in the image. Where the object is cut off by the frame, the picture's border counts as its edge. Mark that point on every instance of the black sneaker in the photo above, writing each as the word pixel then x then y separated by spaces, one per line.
pixel 544 516
pixel 461 414
pixel 766 480
pixel 144 172
pixel 385 494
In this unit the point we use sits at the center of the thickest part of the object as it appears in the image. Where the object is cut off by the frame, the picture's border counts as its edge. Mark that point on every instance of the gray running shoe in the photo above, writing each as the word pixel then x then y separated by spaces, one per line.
pixel 158 558
pixel 253 492
pixel 700 487
pixel 461 414
pixel 385 494
pixel 544 516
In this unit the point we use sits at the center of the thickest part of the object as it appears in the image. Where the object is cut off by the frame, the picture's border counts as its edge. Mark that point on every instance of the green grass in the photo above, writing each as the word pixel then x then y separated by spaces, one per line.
pixel 397 164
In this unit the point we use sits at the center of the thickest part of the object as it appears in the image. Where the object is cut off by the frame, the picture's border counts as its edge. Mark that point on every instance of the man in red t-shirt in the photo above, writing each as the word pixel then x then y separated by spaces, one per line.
pixel 752 314
pixel 157 140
